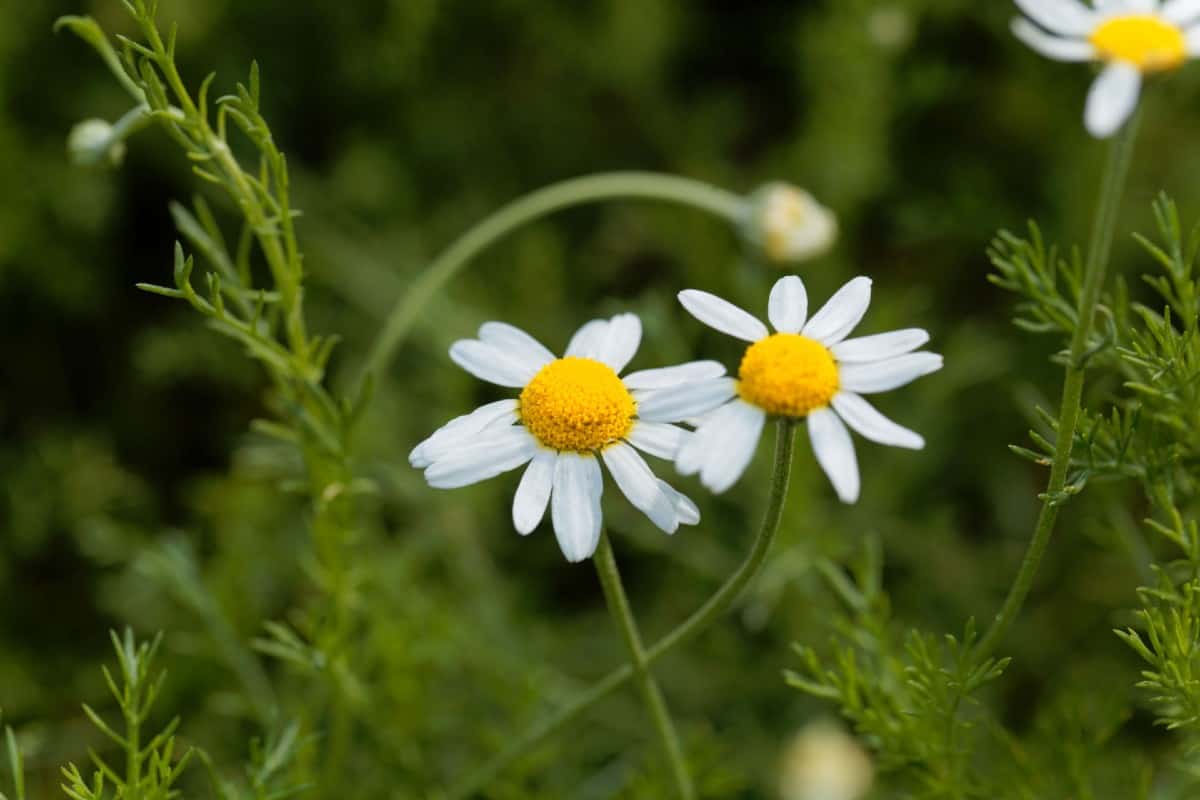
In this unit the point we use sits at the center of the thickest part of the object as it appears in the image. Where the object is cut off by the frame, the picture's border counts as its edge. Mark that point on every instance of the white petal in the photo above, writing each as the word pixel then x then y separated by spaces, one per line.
pixel 694 451
pixel 624 337
pixel 788 306
pixel 721 449
pixel 1112 99
pixel 1181 12
pixel 1053 47
pixel 575 505
pixel 491 364
pixel 683 401
pixel 589 340
pixel 866 419
pixel 656 438
pixel 639 484
pixel 882 376
pixel 487 456
pixel 1192 36
pixel 461 430
pixel 533 492
pixel 838 317
pixel 687 511
pixel 733 444
pixel 880 346
pixel 609 341
pixel 517 343
pixel 1108 8
pixel 835 452
pixel 663 377
pixel 1068 17
pixel 722 315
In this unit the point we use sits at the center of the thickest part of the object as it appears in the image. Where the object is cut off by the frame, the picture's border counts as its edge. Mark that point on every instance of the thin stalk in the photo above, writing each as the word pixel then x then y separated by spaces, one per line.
pixel 522 211
pixel 285 270
pixel 133 749
pixel 652 696
pixel 1095 269
pixel 700 620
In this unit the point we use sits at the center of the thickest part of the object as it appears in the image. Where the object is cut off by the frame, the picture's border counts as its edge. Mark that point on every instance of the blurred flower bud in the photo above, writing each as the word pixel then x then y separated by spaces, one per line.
pixel 823 762
pixel 788 225
pixel 890 27
pixel 95 141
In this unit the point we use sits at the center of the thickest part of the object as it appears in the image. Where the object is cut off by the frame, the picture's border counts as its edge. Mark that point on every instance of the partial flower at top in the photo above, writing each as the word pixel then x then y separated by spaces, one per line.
pixel 1131 37
pixel 788 225
pixel 807 369
pixel 572 413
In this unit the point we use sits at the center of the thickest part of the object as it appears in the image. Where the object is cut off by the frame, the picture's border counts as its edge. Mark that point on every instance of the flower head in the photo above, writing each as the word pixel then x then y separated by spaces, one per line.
pixel 788 224
pixel 806 369
pixel 1131 38
pixel 572 413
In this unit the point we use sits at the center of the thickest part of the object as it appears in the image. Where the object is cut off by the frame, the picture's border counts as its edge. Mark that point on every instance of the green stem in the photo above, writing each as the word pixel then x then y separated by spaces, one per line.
pixel 652 696
pixel 133 753
pixel 688 629
pixel 281 260
pixel 1113 186
pixel 522 211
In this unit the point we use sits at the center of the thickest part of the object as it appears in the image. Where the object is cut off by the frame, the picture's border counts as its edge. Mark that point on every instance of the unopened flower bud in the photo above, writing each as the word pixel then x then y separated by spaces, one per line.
pixel 94 141
pixel 823 762
pixel 788 225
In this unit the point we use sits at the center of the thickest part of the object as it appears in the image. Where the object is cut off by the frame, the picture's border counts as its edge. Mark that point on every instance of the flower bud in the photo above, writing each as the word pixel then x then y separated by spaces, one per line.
pixel 823 762
pixel 94 141
pixel 787 224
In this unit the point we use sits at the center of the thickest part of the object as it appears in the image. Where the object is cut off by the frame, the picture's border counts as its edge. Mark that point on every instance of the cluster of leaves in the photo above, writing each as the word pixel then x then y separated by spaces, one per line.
pixel 1150 434
pixel 151 767
pixel 908 694
pixel 1160 368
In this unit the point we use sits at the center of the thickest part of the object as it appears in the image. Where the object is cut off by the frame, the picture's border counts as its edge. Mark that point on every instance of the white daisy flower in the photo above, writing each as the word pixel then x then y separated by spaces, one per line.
pixel 573 412
pixel 1131 37
pixel 808 369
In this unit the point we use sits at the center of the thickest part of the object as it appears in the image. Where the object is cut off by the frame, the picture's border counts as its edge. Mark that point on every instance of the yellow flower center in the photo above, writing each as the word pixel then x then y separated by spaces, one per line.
pixel 788 375
pixel 1142 40
pixel 577 404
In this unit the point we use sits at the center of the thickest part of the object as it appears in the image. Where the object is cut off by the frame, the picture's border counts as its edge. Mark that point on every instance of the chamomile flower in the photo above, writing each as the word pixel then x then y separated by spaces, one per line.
pixel 572 413
pixel 806 369
pixel 1133 38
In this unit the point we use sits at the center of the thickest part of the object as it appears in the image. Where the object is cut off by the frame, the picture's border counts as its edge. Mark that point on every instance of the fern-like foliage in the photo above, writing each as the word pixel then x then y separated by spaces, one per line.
pixel 151 766
pixel 909 696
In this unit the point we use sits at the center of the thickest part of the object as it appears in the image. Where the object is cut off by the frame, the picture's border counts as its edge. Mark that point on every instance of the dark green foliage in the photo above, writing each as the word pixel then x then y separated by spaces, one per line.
pixel 336 629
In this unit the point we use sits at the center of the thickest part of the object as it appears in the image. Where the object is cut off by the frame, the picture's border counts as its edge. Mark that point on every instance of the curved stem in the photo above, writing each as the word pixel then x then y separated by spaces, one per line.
pixel 652 696
pixel 715 606
pixel 574 192
pixel 1095 270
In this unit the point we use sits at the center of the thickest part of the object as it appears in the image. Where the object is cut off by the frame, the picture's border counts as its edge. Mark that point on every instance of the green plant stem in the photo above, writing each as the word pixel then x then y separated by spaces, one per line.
pixel 1095 269
pixel 526 209
pixel 652 696
pixel 133 752
pixel 712 609
pixel 283 260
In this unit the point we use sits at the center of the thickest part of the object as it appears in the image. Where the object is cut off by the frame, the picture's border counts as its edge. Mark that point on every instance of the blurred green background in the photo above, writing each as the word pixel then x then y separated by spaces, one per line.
pixel 132 492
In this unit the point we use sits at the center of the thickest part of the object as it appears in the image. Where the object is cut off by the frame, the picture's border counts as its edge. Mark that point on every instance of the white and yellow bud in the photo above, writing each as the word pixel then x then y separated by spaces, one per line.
pixel 823 762
pixel 95 141
pixel 788 225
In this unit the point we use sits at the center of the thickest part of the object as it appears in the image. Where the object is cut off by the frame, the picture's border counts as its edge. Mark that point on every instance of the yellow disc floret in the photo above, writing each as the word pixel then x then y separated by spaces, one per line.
pixel 788 375
pixel 1148 42
pixel 577 404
